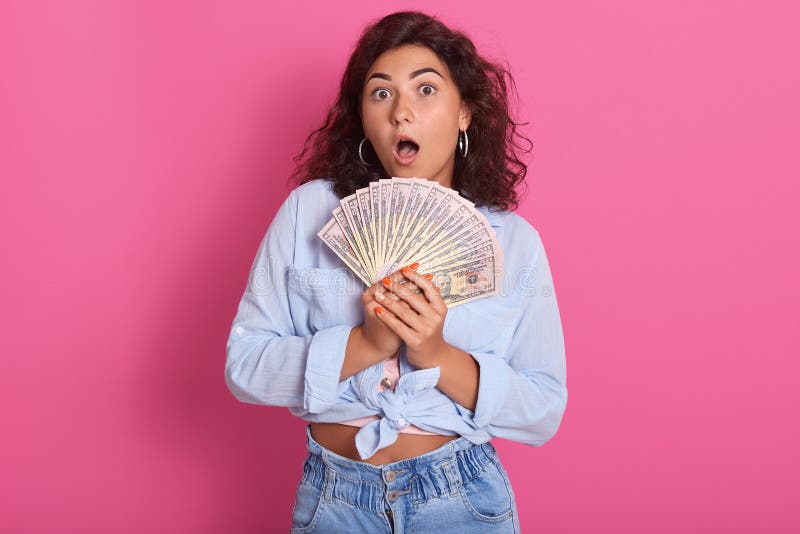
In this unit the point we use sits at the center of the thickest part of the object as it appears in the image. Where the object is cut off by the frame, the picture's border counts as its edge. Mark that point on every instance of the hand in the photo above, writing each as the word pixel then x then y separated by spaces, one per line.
pixel 416 316
pixel 382 338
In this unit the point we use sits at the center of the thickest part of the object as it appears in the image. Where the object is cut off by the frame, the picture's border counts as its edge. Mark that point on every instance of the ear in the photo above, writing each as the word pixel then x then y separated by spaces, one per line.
pixel 464 116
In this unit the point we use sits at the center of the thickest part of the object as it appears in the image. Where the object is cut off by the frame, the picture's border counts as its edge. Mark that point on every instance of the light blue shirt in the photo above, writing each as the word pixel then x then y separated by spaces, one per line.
pixel 288 338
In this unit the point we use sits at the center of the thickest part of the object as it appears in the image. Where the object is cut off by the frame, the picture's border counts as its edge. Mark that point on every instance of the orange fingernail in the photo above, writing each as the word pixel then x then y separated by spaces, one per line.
pixel 405 270
pixel 413 265
pixel 387 282
pixel 437 287
pixel 379 310
pixel 428 276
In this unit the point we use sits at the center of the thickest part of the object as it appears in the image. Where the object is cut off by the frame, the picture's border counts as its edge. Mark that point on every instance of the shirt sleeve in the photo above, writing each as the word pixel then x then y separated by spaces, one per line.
pixel 266 361
pixel 522 395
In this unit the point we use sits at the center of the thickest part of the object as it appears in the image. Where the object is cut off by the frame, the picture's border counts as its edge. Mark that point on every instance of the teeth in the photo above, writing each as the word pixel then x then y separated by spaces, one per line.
pixel 407 148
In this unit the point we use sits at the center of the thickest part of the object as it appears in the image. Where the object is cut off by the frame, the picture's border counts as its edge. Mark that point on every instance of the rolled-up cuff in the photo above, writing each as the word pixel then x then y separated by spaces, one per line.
pixel 493 385
pixel 324 366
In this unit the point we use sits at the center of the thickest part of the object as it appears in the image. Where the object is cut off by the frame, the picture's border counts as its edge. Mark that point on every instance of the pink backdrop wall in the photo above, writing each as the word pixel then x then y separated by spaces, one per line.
pixel 146 147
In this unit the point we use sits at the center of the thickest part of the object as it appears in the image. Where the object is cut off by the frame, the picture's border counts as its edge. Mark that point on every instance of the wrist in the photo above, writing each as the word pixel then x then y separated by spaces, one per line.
pixel 432 357
pixel 369 348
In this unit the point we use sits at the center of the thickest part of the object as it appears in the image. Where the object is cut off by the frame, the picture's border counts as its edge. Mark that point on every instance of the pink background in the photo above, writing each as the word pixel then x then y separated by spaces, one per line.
pixel 146 147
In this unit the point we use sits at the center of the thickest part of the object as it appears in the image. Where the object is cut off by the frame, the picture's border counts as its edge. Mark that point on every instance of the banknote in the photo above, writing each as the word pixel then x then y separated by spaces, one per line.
pixel 396 221
pixel 367 217
pixel 349 235
pixel 377 215
pixel 444 216
pixel 334 237
pixel 398 197
pixel 352 213
pixel 467 281
pixel 420 228
pixel 416 192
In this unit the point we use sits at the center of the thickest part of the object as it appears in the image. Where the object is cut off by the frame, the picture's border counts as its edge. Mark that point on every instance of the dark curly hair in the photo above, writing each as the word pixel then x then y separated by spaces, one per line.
pixel 492 170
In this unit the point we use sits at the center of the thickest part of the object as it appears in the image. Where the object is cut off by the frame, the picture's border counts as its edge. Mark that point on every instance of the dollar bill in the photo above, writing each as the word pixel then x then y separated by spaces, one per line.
pixel 468 281
pixel 431 230
pixel 352 213
pixel 396 221
pixel 398 197
pixel 483 250
pixel 385 203
pixel 417 191
pixel 419 228
pixel 464 232
pixel 334 236
pixel 349 235
pixel 377 215
pixel 365 205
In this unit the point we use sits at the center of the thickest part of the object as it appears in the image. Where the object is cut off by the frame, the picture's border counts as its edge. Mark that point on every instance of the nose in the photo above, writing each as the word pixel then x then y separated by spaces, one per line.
pixel 402 112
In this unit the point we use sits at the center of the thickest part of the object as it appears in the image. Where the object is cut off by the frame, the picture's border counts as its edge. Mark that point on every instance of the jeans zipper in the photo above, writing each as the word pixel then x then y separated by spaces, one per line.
pixel 391 518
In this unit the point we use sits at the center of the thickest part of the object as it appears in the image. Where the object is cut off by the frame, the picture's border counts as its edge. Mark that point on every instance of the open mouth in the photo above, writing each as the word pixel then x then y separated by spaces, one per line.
pixel 405 151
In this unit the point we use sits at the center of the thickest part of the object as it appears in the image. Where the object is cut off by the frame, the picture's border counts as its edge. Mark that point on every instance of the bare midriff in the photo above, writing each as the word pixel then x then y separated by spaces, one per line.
pixel 341 439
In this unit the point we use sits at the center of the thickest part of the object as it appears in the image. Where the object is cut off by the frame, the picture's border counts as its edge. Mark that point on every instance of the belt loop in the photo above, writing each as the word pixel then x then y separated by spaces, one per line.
pixel 453 478
pixel 327 489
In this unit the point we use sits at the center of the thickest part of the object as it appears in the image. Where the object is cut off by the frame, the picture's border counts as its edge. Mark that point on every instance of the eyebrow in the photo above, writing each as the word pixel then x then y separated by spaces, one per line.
pixel 410 76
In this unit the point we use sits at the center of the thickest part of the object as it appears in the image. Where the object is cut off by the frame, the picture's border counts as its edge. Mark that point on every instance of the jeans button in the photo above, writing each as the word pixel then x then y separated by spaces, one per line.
pixel 392 496
pixel 390 476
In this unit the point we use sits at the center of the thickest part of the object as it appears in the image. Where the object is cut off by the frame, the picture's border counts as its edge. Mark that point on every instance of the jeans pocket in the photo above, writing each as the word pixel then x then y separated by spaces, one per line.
pixel 487 496
pixel 307 503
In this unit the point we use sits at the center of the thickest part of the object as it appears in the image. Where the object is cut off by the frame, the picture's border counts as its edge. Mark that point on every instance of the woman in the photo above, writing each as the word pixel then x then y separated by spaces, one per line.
pixel 402 394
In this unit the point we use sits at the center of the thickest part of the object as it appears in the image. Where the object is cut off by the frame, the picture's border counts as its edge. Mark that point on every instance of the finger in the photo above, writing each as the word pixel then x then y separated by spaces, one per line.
pixel 396 280
pixel 377 292
pixel 413 295
pixel 369 297
pixel 410 293
pixel 395 324
pixel 396 277
pixel 384 291
pixel 399 308
pixel 401 284
pixel 396 305
pixel 430 290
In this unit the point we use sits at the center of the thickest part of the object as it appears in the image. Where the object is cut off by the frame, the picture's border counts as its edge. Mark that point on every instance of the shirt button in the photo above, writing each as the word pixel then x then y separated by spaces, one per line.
pixel 401 421
pixel 392 496
pixel 386 383
pixel 239 329
pixel 390 476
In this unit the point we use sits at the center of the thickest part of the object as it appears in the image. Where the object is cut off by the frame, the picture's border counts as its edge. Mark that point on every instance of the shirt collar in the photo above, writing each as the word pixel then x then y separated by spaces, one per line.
pixel 495 218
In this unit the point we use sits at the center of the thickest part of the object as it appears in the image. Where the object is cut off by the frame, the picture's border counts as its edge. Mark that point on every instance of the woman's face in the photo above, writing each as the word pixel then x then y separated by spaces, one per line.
pixel 409 95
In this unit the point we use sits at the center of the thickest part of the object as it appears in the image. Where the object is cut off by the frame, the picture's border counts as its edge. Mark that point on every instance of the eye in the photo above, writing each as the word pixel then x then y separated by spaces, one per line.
pixel 428 89
pixel 380 94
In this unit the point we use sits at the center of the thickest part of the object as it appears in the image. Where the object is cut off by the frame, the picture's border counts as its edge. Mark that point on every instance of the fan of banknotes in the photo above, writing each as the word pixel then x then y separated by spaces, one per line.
pixel 398 221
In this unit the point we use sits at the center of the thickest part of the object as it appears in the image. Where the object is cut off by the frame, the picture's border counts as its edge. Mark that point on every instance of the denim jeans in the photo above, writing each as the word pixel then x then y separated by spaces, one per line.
pixel 459 487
